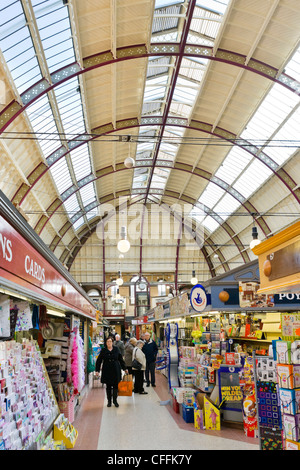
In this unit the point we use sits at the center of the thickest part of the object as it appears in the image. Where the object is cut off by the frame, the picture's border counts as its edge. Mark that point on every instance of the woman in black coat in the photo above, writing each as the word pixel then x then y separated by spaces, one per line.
pixel 111 375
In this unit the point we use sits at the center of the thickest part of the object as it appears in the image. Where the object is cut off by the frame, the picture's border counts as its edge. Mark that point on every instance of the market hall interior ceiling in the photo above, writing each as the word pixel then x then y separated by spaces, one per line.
pixel 202 95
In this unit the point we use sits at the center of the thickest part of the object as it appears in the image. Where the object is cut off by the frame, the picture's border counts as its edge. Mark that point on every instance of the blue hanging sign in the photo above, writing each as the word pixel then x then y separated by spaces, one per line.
pixel 198 298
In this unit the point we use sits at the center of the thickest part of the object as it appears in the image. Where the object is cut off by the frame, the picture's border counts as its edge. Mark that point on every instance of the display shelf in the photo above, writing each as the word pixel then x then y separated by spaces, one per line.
pixel 28 403
pixel 246 338
pixel 65 431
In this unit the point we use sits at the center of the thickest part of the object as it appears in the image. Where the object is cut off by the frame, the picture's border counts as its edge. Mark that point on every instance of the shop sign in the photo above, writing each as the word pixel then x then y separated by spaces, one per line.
pixel 287 298
pixel 25 266
pixel 198 298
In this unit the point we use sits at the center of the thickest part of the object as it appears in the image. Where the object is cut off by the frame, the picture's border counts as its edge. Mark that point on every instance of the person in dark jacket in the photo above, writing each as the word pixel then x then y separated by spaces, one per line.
pixel 112 362
pixel 150 350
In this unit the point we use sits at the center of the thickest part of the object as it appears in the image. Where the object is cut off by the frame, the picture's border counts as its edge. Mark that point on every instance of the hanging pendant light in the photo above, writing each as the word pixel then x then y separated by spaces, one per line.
pixel 255 240
pixel 194 280
pixel 119 281
pixel 123 243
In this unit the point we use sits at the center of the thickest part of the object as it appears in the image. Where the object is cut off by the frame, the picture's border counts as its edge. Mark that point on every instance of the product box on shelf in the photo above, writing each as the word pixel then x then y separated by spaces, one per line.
pixel 199 410
pixel 188 413
pixel 212 415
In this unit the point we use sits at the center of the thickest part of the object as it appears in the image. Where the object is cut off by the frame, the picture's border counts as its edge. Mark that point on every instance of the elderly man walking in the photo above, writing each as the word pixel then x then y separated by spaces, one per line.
pixel 150 350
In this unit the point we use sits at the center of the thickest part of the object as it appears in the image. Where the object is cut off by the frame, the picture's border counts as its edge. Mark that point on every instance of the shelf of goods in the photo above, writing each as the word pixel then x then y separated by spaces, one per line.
pixel 28 407
pixel 278 397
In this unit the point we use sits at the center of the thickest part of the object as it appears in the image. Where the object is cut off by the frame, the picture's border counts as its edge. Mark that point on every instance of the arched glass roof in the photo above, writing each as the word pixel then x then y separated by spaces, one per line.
pixel 209 106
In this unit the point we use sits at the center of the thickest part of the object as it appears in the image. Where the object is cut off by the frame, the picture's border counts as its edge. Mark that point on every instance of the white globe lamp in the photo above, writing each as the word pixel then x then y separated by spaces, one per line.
pixel 123 244
pixel 129 162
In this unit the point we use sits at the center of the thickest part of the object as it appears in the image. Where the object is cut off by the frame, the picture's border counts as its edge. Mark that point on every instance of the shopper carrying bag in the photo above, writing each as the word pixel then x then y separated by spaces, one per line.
pixel 112 363
pixel 139 366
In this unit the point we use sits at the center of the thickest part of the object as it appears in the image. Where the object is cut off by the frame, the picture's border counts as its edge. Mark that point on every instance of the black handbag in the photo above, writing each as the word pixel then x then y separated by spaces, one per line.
pixel 136 364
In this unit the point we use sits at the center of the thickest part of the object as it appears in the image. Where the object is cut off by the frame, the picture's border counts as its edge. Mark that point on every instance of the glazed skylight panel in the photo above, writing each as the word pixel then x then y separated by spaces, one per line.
pixel 78 223
pixel 252 178
pixel 233 164
pixel 226 206
pixel 293 67
pixel 52 18
pixel 210 224
pixel 185 91
pixel 81 162
pixel 71 113
pixel 155 89
pixel 192 69
pixel 211 195
pixel 87 194
pixel 276 106
pixel 286 141
pixel 217 6
pixel 41 117
pixel 206 23
pixel 17 46
pixel 71 205
pixel 61 175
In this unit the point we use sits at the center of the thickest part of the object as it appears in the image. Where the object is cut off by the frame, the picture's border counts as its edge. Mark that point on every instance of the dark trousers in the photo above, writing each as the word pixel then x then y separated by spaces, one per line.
pixel 111 392
pixel 138 381
pixel 150 373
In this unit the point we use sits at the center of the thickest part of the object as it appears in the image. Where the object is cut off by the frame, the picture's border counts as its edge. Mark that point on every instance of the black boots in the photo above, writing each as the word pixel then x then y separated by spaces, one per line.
pixel 108 394
pixel 112 396
pixel 115 394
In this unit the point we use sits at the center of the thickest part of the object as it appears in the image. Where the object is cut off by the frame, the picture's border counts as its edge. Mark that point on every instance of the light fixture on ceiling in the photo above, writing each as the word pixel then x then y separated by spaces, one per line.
pixel 194 279
pixel 255 240
pixel 119 281
pixel 123 244
pixel 129 161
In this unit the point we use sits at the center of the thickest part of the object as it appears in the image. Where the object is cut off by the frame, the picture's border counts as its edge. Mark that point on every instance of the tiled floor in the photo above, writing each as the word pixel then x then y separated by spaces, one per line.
pixel 143 422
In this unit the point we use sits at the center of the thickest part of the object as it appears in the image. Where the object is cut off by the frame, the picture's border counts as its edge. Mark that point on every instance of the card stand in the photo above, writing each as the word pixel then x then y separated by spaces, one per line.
pixel 65 431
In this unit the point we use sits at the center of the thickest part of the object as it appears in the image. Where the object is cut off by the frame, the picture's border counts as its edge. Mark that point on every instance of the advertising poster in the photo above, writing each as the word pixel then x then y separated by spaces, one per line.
pixel 249 298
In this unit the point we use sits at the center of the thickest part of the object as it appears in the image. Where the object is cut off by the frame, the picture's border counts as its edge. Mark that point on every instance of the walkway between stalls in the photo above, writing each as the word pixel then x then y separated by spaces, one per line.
pixel 142 423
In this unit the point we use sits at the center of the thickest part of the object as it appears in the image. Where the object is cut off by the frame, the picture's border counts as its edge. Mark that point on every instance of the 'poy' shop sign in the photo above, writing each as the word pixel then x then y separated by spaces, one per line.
pixel 198 298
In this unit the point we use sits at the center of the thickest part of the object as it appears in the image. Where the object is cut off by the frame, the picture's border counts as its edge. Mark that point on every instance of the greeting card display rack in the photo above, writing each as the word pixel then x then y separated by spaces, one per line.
pixel 269 427
pixel 65 431
pixel 278 396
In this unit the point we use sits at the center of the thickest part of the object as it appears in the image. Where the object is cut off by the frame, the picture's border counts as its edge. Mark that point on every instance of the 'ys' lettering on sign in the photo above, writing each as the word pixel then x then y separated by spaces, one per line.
pixel 198 298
